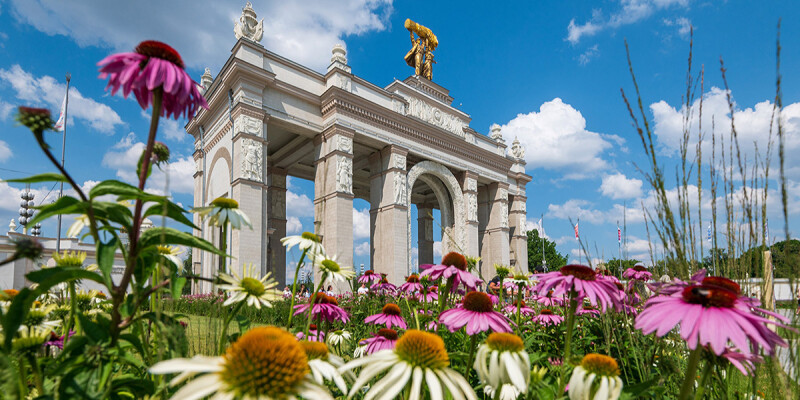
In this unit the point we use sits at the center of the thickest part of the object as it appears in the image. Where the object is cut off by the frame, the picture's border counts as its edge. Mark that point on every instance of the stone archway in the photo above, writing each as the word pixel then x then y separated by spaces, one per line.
pixel 458 217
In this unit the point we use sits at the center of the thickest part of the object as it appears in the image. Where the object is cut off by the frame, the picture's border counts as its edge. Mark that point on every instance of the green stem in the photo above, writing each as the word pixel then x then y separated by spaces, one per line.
pixel 573 306
pixel 519 310
pixel 228 320
pixel 37 374
pixel 294 288
pixel 311 304
pixel 443 295
pixel 473 340
pixel 223 245
pixel 701 387
pixel 691 370
pixel 413 312
pixel 23 379
pixel 73 304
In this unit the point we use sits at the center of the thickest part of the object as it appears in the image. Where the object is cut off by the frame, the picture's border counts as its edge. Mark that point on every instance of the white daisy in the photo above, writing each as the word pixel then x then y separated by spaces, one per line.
pixel 332 271
pixel 81 221
pixel 337 338
pixel 266 363
pixel 170 254
pixel 596 378
pixel 507 392
pixel 305 241
pixel 324 365
pixel 503 360
pixel 39 318
pixel 419 363
pixel 250 288
pixel 360 351
pixel 223 210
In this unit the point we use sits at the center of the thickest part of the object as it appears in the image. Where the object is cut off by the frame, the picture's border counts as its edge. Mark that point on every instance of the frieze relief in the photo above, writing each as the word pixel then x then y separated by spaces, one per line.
pixel 399 161
pixel 400 193
pixel 472 206
pixel 503 215
pixel 434 116
pixel 345 144
pixel 278 202
pixel 251 160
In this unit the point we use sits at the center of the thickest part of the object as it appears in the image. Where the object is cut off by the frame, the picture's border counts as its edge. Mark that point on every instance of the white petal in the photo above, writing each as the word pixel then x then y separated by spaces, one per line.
pixel 416 384
pixel 451 387
pixel 433 385
pixel 199 388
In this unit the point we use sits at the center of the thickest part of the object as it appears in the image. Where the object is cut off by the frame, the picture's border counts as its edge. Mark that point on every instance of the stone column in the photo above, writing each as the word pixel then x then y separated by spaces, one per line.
pixel 496 235
pixel 469 186
pixel 249 188
pixel 388 200
pixel 276 253
pixel 333 194
pixel 484 247
pixel 199 177
pixel 519 238
pixel 425 234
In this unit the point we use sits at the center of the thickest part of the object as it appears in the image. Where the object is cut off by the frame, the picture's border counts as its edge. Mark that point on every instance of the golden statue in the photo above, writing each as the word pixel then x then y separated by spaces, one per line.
pixel 421 54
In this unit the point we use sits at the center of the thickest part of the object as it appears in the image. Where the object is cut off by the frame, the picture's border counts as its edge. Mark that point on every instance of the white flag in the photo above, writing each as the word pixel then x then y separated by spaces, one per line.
pixel 62 116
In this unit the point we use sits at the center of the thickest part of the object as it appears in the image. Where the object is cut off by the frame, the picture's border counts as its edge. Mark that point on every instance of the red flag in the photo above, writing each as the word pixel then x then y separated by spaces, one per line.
pixel 577 236
pixel 619 235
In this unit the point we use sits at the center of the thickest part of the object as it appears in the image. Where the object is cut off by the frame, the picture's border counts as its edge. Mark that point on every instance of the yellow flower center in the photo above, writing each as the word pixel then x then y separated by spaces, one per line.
pixel 264 362
pixel 330 265
pixel 224 202
pixel 315 350
pixel 310 236
pixel 600 364
pixel 253 286
pixel 164 250
pixel 422 349
pixel 505 342
pixel 69 258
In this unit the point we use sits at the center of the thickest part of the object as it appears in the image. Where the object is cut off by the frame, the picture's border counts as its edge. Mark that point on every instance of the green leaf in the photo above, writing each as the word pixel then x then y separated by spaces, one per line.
pixel 105 258
pixel 173 211
pixel 49 277
pixel 177 287
pixel 120 189
pixel 96 332
pixel 164 235
pixel 64 205
pixel 17 312
pixel 46 177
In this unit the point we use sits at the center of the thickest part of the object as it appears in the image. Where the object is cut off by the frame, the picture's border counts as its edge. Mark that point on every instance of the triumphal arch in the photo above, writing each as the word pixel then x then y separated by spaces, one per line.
pixel 393 146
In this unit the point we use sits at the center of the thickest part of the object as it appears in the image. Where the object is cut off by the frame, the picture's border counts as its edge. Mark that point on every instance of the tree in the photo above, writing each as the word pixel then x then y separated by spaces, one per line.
pixel 613 266
pixel 554 258
pixel 785 259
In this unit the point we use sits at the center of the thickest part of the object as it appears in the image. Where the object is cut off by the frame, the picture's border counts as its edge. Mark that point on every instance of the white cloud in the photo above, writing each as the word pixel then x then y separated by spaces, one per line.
pixel 588 55
pixel 631 12
pixel 555 138
pixel 683 24
pixel 437 250
pixel 362 249
pixel 618 186
pixel 49 92
pixel 577 209
pixel 124 156
pixel 5 110
pixel 301 205
pixel 361 223
pixel 169 128
pixel 5 151
pixel 304 31
pixel 293 225
pixel 531 225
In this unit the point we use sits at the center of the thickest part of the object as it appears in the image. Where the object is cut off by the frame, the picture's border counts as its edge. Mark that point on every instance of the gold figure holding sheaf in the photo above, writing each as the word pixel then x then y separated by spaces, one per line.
pixel 421 54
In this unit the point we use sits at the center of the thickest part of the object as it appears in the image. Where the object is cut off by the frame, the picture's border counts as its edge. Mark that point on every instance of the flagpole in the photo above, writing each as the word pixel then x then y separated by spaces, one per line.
pixel 578 238
pixel 541 228
pixel 63 148
pixel 619 247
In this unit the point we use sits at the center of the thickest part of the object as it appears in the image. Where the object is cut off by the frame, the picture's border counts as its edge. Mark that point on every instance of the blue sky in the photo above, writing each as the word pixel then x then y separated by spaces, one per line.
pixel 548 72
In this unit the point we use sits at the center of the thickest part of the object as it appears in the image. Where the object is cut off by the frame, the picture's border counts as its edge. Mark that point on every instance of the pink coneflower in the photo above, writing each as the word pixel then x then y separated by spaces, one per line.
pixel 428 295
pixel 314 334
pixel 325 307
pixel 477 313
pixel 556 362
pixel 384 285
pixel 389 315
pixel 412 284
pixel 548 300
pixel 523 308
pixel 547 317
pixel 712 314
pixel 676 285
pixel 453 265
pixel 385 339
pixel 152 65
pixel 638 273
pixel 369 276
pixel 583 280
pixel 744 362
pixel 585 309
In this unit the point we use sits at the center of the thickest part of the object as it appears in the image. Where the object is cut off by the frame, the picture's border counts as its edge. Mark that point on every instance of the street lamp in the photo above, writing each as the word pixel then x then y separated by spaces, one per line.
pixel 26 212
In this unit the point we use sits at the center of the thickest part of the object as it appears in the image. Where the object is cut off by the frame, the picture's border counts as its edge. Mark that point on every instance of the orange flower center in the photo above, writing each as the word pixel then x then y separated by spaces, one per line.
pixel 152 48
pixel 722 283
pixel 413 278
pixel 264 362
pixel 391 309
pixel 390 334
pixel 520 303
pixel 315 350
pixel 639 268
pixel 505 342
pixel 600 364
pixel 709 296
pixel 456 260
pixel 581 272
pixel 546 311
pixel 422 349
pixel 478 302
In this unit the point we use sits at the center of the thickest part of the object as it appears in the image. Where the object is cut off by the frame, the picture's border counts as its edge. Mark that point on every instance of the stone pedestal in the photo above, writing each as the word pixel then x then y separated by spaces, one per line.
pixel 519 238
pixel 388 201
pixel 469 186
pixel 333 195
pixel 495 246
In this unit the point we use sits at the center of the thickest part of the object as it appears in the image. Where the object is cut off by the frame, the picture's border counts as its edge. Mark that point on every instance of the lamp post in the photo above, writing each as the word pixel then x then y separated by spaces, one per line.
pixel 26 212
